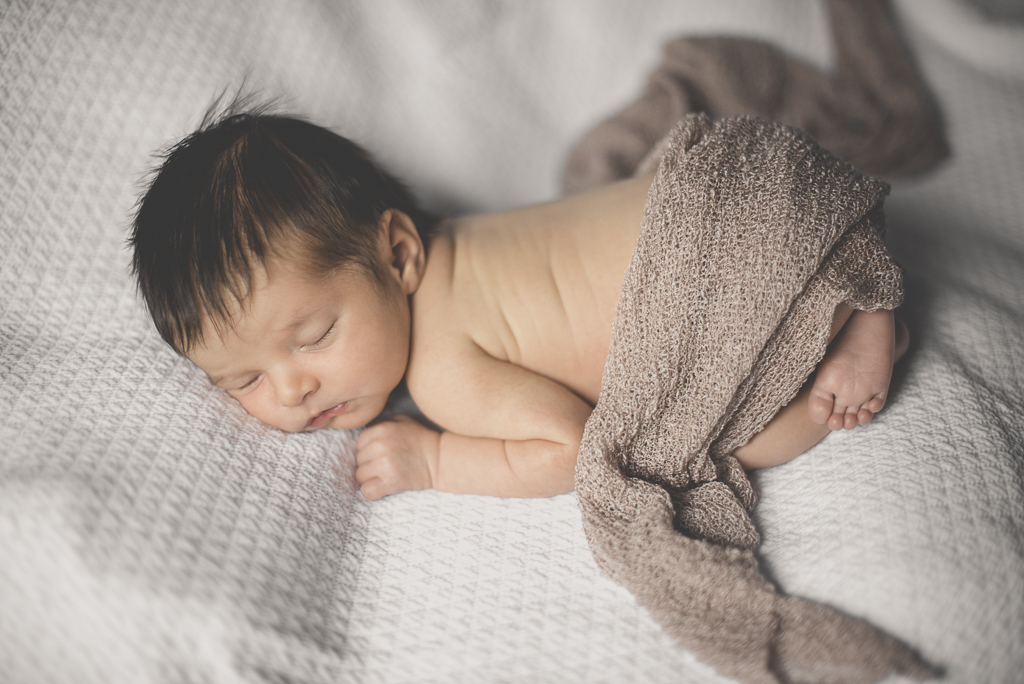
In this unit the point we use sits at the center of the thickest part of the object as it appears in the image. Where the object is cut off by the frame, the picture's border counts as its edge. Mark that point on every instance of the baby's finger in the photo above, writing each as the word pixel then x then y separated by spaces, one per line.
pixel 371 468
pixel 367 451
pixel 368 436
pixel 374 489
pixel 364 472
pixel 385 467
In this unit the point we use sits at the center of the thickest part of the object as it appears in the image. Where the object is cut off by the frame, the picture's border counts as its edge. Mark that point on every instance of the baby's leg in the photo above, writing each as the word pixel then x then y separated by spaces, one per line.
pixel 852 381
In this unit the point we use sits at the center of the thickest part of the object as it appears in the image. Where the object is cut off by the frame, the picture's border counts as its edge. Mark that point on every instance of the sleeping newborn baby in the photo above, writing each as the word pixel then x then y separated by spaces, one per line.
pixel 307 284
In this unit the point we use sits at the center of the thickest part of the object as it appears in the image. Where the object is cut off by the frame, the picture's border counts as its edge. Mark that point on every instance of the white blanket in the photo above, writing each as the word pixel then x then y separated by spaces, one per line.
pixel 150 531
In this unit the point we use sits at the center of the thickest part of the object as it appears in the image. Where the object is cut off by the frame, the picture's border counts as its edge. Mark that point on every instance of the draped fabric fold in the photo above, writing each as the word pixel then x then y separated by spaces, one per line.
pixel 871 110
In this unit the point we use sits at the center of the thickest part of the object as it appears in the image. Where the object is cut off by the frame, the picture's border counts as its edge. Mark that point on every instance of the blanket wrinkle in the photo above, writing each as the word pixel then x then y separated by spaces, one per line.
pixel 724 311
pixel 872 110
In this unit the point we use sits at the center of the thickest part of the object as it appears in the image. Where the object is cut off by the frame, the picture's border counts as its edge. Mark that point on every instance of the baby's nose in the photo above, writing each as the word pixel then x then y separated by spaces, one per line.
pixel 295 386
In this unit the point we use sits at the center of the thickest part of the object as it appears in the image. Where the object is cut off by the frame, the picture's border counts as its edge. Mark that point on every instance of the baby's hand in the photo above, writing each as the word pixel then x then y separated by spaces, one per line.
pixel 395 455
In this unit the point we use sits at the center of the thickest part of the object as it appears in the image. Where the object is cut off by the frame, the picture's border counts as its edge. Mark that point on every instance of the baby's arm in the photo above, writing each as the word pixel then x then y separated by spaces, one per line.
pixel 511 433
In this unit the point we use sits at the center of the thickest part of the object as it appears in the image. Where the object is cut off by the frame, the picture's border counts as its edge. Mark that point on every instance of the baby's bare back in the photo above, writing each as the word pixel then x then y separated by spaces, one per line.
pixel 536 287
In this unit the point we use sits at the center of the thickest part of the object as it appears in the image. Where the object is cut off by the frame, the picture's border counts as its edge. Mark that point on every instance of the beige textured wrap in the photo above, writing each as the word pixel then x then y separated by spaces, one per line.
pixel 872 109
pixel 752 235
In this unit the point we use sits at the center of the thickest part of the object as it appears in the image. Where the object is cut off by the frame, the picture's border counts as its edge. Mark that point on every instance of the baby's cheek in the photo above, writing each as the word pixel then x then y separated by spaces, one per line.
pixel 261 405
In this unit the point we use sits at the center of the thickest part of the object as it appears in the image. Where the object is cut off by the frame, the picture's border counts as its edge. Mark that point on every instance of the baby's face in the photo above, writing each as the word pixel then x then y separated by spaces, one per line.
pixel 305 354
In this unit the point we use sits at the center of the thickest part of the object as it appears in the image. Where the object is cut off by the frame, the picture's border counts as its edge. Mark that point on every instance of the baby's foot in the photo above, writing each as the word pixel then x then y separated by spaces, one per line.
pixel 853 379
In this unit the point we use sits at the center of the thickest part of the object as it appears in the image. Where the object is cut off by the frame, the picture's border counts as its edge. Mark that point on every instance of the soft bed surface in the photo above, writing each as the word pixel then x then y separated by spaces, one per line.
pixel 150 531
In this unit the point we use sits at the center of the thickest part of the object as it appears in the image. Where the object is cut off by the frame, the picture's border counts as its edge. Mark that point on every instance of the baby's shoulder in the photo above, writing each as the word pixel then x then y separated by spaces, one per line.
pixel 439 341
pixel 444 369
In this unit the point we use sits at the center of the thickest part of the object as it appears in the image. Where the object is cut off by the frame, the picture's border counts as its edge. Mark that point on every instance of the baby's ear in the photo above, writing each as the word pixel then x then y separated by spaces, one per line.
pixel 407 254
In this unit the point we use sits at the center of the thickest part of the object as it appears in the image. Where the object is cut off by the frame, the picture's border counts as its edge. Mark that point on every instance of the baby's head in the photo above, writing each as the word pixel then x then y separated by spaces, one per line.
pixel 276 256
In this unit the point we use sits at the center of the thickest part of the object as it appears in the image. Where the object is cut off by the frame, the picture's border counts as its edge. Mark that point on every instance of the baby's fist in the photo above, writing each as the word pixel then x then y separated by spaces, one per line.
pixel 395 455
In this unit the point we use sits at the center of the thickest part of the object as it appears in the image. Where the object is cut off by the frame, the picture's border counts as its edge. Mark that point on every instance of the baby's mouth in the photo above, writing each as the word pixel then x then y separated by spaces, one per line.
pixel 322 418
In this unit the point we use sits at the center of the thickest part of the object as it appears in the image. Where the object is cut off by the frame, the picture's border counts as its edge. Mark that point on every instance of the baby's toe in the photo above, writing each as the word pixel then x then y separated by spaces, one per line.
pixel 819 407
pixel 850 419
pixel 864 416
pixel 836 421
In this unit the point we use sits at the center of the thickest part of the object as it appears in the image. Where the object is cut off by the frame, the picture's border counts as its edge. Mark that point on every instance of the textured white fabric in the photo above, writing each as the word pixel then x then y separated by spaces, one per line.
pixel 150 531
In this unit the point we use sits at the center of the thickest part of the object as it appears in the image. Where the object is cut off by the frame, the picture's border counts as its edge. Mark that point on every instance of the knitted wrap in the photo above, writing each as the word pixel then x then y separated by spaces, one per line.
pixel 752 235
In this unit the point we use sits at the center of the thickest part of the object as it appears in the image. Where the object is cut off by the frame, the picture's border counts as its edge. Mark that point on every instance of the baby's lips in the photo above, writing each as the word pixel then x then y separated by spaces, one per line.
pixel 323 417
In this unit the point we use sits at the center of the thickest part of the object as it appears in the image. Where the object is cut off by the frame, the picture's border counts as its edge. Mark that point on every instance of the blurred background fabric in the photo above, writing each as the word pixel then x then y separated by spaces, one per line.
pixel 151 531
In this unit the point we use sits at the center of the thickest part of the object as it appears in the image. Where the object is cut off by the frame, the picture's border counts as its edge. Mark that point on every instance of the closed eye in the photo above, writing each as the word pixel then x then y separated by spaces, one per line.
pixel 321 342
pixel 249 384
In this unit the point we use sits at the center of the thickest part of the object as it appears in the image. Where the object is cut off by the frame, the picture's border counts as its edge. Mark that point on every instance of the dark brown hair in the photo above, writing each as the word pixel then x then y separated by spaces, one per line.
pixel 244 186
